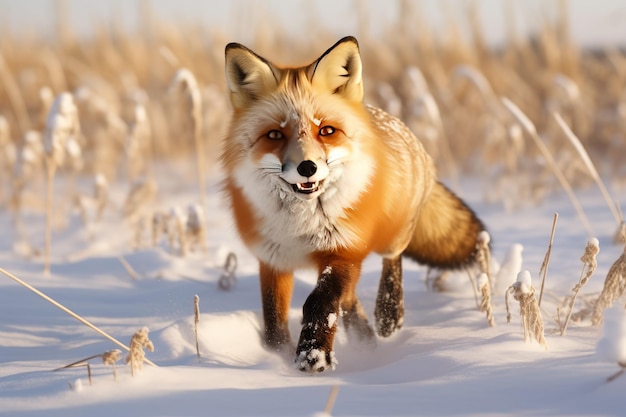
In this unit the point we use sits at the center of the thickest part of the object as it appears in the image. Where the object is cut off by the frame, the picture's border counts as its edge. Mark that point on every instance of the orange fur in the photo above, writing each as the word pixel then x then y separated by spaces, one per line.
pixel 317 179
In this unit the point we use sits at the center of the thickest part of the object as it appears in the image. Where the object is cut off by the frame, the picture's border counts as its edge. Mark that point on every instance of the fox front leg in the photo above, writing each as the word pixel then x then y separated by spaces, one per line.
pixel 276 290
pixel 389 310
pixel 320 315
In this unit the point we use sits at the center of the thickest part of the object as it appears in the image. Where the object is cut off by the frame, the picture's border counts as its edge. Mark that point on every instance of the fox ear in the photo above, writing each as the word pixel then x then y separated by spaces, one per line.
pixel 338 70
pixel 248 75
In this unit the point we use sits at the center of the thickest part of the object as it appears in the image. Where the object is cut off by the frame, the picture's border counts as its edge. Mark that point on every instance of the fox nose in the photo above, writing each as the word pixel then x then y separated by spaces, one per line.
pixel 307 168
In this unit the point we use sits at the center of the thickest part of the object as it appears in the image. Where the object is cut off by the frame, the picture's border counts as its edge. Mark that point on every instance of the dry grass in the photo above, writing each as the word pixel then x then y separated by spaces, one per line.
pixel 122 79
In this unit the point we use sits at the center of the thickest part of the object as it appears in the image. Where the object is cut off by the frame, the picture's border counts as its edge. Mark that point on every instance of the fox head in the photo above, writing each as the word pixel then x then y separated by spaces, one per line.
pixel 298 134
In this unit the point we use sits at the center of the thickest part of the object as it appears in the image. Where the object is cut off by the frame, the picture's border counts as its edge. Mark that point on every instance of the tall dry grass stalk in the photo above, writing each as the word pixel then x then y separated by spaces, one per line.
pixel 546 260
pixel 14 96
pixel 196 321
pixel 484 287
pixel 66 310
pixel 593 172
pixel 620 234
pixel 332 397
pixel 7 158
pixel 529 127
pixel 589 266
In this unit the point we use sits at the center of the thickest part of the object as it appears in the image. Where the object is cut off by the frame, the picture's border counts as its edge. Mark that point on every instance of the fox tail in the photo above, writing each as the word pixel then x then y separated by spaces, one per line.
pixel 446 233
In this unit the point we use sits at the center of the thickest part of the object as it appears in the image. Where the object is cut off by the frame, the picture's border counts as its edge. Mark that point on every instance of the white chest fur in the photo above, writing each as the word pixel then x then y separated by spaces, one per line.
pixel 292 228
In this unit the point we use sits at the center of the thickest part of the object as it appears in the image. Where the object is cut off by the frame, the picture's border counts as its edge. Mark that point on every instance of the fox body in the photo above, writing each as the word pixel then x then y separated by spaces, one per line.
pixel 316 178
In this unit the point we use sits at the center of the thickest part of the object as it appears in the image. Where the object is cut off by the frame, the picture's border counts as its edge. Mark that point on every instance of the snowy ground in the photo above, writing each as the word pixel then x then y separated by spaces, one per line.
pixel 446 361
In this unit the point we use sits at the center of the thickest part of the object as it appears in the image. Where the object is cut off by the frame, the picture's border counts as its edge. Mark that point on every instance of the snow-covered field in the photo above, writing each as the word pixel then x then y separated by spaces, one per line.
pixel 446 361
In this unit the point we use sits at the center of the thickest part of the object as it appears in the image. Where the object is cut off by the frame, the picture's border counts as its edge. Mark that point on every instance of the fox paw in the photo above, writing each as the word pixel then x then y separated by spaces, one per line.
pixel 388 320
pixel 316 360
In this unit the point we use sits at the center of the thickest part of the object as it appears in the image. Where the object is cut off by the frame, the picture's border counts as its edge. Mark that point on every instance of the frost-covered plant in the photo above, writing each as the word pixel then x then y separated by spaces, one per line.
pixel 589 266
pixel 483 255
pixel 612 346
pixel 159 226
pixel 177 231
pixel 138 143
pixel 62 125
pixel 185 82
pixel 140 196
pixel 136 355
pixel 26 170
pixel 485 304
pixel 614 286
pixel 195 230
pixel 523 292
pixel 110 358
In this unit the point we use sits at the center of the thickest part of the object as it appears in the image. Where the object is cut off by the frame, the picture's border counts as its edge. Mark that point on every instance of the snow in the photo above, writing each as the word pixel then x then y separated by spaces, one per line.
pixel 445 361
pixel 612 346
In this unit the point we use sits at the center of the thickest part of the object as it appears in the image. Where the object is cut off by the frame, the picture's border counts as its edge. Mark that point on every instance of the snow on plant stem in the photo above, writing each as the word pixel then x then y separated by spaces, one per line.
pixel 590 264
pixel 485 305
pixel 524 292
pixel 136 355
pixel 61 126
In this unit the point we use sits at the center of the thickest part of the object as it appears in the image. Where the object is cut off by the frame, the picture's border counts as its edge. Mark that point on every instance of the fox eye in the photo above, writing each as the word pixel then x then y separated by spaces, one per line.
pixel 275 135
pixel 327 131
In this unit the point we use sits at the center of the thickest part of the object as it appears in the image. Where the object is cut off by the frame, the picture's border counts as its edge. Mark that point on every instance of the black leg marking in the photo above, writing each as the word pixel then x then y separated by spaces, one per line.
pixel 389 311
pixel 319 322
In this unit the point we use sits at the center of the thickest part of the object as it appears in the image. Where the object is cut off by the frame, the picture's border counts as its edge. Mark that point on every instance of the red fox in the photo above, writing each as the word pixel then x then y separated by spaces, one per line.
pixel 316 178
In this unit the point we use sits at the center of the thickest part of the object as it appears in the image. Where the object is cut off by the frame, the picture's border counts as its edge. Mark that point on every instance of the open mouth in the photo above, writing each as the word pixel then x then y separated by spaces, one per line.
pixel 306 187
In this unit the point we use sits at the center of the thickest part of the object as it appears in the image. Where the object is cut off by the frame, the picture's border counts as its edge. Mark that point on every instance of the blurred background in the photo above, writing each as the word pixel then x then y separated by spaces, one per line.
pixel 593 23
pixel 147 79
